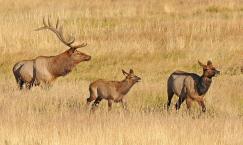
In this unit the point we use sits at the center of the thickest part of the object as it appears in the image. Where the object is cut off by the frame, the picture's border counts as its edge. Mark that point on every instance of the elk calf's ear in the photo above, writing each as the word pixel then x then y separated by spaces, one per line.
pixel 209 63
pixel 131 71
pixel 124 72
pixel 201 64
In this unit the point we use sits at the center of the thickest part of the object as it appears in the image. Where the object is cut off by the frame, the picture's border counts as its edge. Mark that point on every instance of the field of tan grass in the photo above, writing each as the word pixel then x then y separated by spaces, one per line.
pixel 154 38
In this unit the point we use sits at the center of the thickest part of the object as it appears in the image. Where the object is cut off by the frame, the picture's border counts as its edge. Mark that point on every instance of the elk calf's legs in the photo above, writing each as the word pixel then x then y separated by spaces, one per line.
pixel 89 100
pixel 96 103
pixel 110 104
pixel 124 104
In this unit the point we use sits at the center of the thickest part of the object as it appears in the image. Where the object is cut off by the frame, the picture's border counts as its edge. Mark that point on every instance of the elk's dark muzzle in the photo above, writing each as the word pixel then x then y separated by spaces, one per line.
pixel 217 73
pixel 138 79
pixel 87 58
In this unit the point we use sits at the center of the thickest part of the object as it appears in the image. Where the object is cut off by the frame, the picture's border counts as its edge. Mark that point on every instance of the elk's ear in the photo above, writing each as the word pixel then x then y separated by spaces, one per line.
pixel 71 50
pixel 124 72
pixel 131 71
pixel 201 64
pixel 209 63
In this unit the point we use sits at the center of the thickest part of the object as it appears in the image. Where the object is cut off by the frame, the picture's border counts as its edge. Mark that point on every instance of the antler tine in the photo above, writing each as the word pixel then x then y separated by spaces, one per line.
pixel 58 30
pixel 44 22
pixel 57 24
pixel 43 27
pixel 79 46
pixel 71 41
pixel 61 37
pixel 49 23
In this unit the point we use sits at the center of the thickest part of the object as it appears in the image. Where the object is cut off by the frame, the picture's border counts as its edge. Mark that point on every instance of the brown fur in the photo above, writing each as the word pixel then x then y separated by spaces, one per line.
pixel 111 90
pixel 190 86
pixel 45 69
pixel 49 68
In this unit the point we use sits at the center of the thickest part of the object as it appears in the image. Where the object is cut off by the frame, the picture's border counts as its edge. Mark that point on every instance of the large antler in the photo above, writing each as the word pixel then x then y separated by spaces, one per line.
pixel 58 31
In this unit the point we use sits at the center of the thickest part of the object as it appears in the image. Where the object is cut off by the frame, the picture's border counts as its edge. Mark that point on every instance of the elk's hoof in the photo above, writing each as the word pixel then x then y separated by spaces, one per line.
pixel 203 109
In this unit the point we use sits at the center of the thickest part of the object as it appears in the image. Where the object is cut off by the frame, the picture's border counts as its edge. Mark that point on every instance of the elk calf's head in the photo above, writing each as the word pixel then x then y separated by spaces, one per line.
pixel 209 70
pixel 131 76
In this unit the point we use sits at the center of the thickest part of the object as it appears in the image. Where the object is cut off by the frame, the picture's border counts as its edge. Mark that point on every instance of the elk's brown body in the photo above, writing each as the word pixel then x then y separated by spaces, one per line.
pixel 111 90
pixel 190 86
pixel 45 69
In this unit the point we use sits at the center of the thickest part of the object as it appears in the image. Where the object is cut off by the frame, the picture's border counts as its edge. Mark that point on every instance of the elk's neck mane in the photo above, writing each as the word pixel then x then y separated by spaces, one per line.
pixel 61 64
pixel 124 86
pixel 204 84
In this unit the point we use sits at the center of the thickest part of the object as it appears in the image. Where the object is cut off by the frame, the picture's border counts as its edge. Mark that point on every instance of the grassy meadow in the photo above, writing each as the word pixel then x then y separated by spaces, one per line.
pixel 154 38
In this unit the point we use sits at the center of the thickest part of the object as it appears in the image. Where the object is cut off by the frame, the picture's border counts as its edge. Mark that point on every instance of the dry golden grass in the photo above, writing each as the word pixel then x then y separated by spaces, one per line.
pixel 152 37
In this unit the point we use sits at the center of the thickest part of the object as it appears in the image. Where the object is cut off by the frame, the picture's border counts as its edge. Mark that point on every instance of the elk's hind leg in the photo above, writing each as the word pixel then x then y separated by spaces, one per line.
pixel 110 101
pixel 170 94
pixel 181 99
pixel 28 85
pixel 20 83
pixel 96 103
pixel 92 97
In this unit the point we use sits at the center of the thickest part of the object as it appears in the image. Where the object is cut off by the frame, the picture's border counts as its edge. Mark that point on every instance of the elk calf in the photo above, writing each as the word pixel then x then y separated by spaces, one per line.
pixel 190 86
pixel 111 90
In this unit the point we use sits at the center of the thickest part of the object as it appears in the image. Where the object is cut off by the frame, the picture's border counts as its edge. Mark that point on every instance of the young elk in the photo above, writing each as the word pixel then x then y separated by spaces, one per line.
pixel 111 90
pixel 45 69
pixel 190 86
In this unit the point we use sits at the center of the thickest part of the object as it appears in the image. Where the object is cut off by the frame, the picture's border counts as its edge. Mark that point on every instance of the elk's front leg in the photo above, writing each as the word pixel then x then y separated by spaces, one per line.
pixel 110 101
pixel 202 104
pixel 124 104
pixel 188 103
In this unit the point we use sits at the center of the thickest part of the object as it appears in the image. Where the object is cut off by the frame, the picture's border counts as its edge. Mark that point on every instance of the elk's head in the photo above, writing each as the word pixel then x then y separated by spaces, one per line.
pixel 209 70
pixel 131 76
pixel 75 55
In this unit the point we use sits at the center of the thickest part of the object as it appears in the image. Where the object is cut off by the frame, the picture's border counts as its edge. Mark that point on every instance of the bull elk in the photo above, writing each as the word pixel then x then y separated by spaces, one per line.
pixel 111 90
pixel 190 86
pixel 45 69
